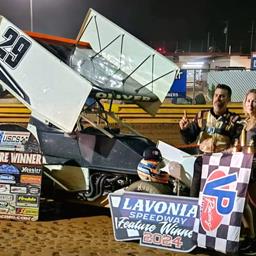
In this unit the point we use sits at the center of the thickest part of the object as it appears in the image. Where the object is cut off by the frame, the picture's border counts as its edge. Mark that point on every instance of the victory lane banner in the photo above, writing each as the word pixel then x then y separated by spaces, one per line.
pixel 20 174
pixel 160 221
pixel 224 183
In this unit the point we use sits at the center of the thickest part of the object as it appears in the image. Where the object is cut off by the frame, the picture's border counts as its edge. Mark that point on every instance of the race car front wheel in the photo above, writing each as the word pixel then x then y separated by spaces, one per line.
pixel 149 187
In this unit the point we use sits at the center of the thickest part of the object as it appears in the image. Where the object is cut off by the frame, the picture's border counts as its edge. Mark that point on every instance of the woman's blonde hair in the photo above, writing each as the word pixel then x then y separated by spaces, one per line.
pixel 245 98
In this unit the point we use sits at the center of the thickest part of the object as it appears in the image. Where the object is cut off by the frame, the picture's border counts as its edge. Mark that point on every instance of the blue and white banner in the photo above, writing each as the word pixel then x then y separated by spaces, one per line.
pixel 159 221
pixel 20 174
pixel 179 86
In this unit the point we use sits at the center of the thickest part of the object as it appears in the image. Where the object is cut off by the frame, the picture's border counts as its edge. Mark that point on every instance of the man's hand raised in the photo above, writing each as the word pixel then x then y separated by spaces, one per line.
pixel 184 122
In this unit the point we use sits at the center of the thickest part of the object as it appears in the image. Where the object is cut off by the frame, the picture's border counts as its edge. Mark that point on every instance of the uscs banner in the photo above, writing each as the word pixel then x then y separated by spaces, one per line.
pixel 20 174
pixel 224 183
pixel 160 221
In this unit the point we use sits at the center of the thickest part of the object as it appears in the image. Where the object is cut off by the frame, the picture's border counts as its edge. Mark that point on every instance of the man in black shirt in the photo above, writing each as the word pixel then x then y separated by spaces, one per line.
pixel 215 130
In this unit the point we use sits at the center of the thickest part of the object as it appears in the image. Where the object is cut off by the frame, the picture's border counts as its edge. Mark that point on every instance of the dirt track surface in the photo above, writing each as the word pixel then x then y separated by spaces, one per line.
pixel 70 230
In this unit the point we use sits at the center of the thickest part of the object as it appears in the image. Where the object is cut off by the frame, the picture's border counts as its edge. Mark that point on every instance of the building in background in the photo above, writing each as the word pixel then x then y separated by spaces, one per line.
pixel 205 70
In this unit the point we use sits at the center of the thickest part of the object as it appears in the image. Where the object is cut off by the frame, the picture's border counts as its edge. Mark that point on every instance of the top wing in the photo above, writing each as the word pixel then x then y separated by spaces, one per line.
pixel 40 80
pixel 131 67
pixel 118 65
pixel 114 65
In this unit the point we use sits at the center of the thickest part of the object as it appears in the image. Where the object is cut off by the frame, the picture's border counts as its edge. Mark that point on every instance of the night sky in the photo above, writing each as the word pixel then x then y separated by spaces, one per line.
pixel 183 25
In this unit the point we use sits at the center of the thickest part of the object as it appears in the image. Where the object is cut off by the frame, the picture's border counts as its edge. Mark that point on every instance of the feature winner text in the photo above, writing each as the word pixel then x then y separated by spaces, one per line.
pixel 161 223
pixel 20 158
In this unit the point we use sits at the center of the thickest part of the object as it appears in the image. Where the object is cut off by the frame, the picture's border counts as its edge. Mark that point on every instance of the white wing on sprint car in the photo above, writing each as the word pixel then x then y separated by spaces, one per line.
pixel 47 86
pixel 121 66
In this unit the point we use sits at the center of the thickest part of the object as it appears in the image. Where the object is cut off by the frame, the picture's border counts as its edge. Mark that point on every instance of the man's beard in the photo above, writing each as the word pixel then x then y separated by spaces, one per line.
pixel 219 104
pixel 218 107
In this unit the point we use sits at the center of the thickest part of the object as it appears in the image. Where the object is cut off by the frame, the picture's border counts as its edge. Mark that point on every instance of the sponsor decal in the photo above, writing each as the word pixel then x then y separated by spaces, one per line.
pixel 6 197
pixel 31 179
pixel 4 210
pixel 18 217
pixel 221 200
pixel 33 190
pixel 25 200
pixel 156 220
pixel 178 88
pixel 31 170
pixel 6 207
pixel 18 189
pixel 9 169
pixel 116 96
pixel 27 211
pixel 4 188
pixel 3 204
pixel 218 199
pixel 7 178
pixel 13 138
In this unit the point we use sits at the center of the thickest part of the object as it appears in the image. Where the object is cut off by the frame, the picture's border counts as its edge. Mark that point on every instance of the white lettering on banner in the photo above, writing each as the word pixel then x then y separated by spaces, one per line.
pixel 172 229
pixel 31 170
pixel 160 207
pixel 173 94
pixel 178 76
pixel 4 157
pixel 23 158
pixel 158 218
pixel 167 228
pixel 124 223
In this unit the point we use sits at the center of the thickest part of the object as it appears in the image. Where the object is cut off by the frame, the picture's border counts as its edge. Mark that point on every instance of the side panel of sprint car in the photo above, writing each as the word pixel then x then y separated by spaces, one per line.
pixel 92 149
pixel 52 90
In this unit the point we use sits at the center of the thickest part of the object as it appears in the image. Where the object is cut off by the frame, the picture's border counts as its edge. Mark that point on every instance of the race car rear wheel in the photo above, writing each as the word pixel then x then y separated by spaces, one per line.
pixel 149 187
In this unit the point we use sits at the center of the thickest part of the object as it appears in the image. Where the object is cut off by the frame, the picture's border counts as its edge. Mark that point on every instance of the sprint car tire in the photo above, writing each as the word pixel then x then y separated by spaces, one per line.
pixel 149 187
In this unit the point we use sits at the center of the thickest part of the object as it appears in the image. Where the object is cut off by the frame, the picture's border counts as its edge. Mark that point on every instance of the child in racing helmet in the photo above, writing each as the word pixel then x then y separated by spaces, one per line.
pixel 149 168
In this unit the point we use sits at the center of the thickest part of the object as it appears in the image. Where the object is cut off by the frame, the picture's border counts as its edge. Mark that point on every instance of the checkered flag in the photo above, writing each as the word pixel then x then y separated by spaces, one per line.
pixel 224 183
